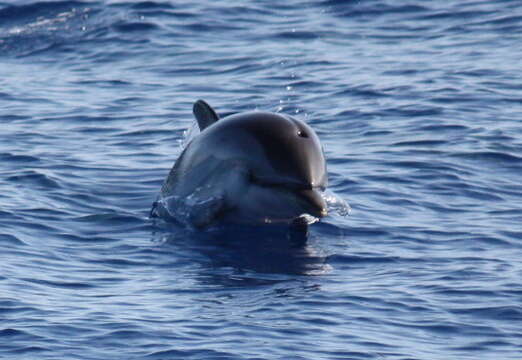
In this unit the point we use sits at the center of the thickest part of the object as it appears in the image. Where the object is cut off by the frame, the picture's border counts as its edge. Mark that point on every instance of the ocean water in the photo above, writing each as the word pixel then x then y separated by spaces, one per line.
pixel 418 105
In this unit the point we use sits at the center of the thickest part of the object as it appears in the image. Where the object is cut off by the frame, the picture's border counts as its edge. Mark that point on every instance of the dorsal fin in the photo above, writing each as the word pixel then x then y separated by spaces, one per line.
pixel 204 114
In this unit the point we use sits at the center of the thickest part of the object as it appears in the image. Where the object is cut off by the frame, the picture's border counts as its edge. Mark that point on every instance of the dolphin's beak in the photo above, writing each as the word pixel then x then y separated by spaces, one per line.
pixel 313 202
pixel 307 198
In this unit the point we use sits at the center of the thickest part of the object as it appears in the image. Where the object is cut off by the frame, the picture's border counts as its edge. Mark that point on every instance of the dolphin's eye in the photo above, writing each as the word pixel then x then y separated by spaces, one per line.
pixel 302 133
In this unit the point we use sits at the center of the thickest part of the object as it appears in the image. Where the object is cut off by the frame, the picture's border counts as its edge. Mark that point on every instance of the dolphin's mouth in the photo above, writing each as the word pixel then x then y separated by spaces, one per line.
pixel 313 202
pixel 309 198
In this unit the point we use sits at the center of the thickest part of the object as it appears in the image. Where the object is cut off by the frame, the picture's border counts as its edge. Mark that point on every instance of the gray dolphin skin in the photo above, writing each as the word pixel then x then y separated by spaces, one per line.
pixel 248 168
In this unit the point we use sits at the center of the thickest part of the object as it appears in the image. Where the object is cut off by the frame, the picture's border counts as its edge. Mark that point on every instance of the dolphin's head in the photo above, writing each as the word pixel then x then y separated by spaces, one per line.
pixel 284 163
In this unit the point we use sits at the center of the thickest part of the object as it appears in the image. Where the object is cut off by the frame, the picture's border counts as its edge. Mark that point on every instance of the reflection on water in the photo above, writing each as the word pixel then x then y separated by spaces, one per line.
pixel 244 249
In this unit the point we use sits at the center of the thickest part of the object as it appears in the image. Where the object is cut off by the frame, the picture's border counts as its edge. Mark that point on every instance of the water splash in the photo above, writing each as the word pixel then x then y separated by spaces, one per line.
pixel 188 135
pixel 336 204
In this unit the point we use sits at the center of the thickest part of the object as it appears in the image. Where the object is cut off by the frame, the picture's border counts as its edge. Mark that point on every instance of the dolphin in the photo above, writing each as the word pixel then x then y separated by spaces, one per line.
pixel 247 168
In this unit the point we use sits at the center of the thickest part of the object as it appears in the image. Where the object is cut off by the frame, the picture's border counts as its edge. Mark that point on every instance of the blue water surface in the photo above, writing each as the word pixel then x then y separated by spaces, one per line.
pixel 419 108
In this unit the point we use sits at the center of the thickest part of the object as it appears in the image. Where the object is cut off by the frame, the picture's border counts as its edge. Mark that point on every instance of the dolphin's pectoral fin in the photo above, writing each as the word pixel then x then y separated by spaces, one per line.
pixel 204 114
pixel 207 212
